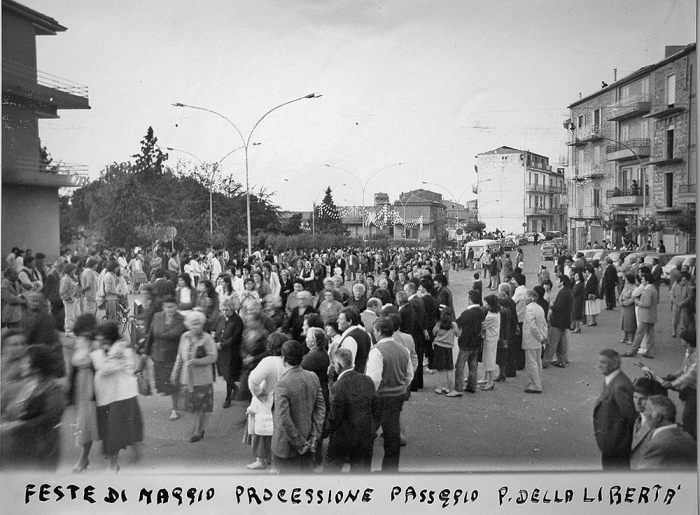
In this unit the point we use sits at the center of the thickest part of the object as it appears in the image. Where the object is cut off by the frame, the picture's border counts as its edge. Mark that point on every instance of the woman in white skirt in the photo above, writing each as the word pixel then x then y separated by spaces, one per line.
pixel 490 330
pixel 592 309
pixel 119 420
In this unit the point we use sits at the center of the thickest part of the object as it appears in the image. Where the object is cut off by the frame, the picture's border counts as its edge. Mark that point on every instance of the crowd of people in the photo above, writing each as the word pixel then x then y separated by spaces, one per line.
pixel 324 347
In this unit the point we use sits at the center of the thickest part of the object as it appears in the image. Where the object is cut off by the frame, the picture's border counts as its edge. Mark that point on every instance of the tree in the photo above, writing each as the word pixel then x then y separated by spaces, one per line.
pixel 474 226
pixel 328 217
pixel 150 161
pixel 686 223
pixel 292 225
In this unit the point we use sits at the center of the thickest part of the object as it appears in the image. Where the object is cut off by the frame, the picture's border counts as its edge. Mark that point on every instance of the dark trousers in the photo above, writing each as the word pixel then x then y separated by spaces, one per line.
pixel 417 382
pixel 59 314
pixel 610 297
pixel 616 462
pixel 470 358
pixel 516 356
pixel 428 354
pixel 299 464
pixel 359 456
pixel 390 412
pixel 690 411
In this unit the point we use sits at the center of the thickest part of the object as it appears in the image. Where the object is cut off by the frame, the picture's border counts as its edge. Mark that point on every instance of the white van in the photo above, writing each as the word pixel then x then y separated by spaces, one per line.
pixel 481 246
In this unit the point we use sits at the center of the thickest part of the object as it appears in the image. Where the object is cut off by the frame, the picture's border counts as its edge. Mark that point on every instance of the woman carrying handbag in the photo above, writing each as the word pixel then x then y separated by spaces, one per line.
pixel 193 371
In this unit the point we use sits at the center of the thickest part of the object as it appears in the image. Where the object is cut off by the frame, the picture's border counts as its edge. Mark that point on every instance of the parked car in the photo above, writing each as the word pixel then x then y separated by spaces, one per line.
pixel 617 254
pixel 631 258
pixel 508 243
pixel 600 255
pixel 531 237
pixel 662 257
pixel 683 259
pixel 587 254
pixel 549 251
pixel 550 235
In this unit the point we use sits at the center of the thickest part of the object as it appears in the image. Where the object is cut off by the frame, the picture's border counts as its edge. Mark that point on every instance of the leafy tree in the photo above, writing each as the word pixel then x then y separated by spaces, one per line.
pixel 292 225
pixel 685 222
pixel 476 226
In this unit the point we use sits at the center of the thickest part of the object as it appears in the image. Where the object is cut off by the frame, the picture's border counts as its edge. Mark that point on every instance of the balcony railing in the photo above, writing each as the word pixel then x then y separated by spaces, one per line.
pixel 590 171
pixel 626 145
pixel 27 73
pixel 586 133
pixel 629 107
pixel 79 173
pixel 545 188
pixel 589 212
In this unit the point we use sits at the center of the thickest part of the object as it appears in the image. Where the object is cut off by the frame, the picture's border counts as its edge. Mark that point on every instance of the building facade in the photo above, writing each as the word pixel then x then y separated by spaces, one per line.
pixel 30 203
pixel 632 154
pixel 519 191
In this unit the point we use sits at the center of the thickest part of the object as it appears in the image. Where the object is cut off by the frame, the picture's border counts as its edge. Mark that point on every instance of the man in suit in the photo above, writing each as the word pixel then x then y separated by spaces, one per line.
pixel 669 447
pixel 161 286
pixel 609 283
pixel 353 417
pixel 559 322
pixel 298 414
pixel 644 387
pixel 469 342
pixel 646 318
pixel 656 273
pixel 419 331
pixel 614 413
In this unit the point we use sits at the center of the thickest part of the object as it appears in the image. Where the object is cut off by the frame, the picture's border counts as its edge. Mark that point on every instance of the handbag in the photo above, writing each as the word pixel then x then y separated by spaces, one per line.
pixel 143 383
pixel 262 425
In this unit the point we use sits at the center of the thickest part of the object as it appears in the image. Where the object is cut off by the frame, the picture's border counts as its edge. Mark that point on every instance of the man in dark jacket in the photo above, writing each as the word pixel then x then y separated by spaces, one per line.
pixel 353 417
pixel 614 414
pixel 609 284
pixel 469 343
pixel 560 322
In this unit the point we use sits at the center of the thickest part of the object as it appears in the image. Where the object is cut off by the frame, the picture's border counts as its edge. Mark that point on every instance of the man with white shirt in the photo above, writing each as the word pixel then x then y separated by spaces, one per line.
pixel 354 337
pixel 669 447
pixel 369 315
pixel 214 269
pixel 389 366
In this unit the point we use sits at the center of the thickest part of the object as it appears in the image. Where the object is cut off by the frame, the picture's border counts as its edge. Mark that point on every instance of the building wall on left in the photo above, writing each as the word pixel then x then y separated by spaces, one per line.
pixel 30 220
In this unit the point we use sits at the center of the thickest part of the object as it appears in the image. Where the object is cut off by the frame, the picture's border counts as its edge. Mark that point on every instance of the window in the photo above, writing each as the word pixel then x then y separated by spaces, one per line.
pixel 624 92
pixel 645 87
pixel 580 121
pixel 671 90
pixel 596 117
pixel 669 142
pixel 596 197
pixel 624 132
pixel 596 155
pixel 644 129
pixel 668 189
pixel 529 177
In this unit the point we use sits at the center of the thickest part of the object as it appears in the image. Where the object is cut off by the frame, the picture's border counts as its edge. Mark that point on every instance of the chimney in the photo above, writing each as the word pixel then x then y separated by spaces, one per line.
pixel 614 74
pixel 673 49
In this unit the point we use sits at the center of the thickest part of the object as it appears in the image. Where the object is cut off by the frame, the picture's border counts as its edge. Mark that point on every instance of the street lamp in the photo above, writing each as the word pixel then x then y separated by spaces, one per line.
pixel 457 200
pixel 403 203
pixel 363 186
pixel 214 168
pixel 313 204
pixel 246 144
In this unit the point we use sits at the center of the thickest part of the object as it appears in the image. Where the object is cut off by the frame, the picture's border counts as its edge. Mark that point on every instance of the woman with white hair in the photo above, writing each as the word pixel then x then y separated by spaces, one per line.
pixel 193 370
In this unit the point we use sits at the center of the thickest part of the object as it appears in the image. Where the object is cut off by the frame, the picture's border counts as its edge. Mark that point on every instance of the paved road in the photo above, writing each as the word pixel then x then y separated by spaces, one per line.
pixel 502 430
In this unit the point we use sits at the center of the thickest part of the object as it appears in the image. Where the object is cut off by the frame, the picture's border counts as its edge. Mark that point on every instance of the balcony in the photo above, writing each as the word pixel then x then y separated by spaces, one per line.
pixel 583 135
pixel 588 213
pixel 665 112
pixel 26 82
pixel 629 107
pixel 544 211
pixel 590 171
pixel 663 161
pixel 544 188
pixel 627 197
pixel 686 194
pixel 34 172
pixel 627 149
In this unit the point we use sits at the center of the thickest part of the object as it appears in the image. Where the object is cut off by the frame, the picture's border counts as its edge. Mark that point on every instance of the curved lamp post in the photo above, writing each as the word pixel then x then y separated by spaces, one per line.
pixel 214 168
pixel 246 145
pixel 363 186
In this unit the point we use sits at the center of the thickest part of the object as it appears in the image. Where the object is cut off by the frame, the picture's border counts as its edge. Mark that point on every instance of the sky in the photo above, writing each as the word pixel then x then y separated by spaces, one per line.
pixel 425 83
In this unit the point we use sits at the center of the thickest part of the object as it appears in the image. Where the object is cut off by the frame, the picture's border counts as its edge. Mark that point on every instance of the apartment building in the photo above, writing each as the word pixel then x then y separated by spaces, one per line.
pixel 30 203
pixel 519 191
pixel 632 154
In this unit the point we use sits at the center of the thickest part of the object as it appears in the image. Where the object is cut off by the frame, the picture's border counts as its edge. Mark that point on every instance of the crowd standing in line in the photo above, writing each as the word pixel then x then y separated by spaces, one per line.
pixel 325 346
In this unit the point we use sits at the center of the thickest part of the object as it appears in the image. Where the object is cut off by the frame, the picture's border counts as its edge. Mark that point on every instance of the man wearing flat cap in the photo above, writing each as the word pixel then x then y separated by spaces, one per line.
pixel 643 388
